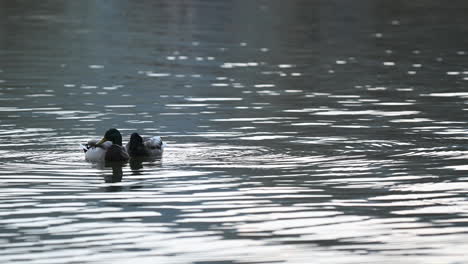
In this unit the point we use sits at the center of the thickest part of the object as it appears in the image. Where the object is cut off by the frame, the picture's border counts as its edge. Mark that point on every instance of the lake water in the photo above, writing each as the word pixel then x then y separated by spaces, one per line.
pixel 297 131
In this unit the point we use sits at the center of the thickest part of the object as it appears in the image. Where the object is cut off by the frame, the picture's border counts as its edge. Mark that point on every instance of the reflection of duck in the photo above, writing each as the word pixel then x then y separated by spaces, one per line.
pixel 136 163
pixel 149 147
pixel 109 148
pixel 117 172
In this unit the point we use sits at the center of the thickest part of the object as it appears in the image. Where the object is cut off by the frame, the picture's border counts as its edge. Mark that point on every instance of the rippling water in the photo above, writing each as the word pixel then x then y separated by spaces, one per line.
pixel 297 131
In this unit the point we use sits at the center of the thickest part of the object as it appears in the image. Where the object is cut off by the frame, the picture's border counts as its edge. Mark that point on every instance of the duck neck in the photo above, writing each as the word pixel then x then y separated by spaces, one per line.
pixel 117 141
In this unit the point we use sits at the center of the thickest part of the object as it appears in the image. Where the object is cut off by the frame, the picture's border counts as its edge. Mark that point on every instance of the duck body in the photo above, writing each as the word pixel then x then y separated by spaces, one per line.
pixel 140 147
pixel 96 153
pixel 116 153
pixel 108 148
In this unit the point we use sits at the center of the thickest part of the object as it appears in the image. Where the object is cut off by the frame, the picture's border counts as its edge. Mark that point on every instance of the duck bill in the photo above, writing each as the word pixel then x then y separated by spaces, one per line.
pixel 101 141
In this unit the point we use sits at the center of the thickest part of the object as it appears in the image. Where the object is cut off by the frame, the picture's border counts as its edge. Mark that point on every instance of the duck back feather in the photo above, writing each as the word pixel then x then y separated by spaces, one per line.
pixel 155 145
pixel 95 153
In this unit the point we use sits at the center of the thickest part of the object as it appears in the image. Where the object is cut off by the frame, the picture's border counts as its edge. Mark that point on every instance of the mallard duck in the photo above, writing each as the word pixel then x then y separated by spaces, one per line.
pixel 109 148
pixel 148 147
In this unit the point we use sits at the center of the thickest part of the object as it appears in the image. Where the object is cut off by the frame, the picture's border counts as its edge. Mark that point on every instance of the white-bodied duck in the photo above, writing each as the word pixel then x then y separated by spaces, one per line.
pixel 148 147
pixel 109 148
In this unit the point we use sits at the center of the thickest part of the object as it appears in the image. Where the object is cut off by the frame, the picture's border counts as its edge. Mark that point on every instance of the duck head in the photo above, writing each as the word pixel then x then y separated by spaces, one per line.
pixel 136 139
pixel 112 135
pixel 136 146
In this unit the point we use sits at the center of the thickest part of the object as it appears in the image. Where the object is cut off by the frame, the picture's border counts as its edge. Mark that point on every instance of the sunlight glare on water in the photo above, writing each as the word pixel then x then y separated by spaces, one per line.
pixel 295 130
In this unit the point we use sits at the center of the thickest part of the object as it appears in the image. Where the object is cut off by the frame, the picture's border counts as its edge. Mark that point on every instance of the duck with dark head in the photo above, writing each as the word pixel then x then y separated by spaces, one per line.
pixel 115 152
pixel 135 146
pixel 149 147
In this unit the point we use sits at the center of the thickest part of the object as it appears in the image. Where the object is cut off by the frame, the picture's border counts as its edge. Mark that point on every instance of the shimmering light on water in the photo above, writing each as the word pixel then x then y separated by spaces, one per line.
pixel 296 131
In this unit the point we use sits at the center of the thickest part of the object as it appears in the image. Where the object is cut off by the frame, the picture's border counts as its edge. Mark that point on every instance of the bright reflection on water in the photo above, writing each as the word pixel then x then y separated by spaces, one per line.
pixel 296 130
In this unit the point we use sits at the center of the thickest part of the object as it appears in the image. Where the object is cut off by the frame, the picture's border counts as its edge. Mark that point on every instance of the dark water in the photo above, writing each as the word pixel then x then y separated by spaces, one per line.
pixel 297 131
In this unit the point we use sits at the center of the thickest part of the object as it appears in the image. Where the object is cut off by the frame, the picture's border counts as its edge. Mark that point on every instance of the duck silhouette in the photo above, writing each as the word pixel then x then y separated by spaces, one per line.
pixel 145 147
pixel 109 148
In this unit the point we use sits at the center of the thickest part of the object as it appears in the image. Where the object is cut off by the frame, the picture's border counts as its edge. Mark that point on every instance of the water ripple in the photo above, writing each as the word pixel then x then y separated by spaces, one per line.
pixel 298 143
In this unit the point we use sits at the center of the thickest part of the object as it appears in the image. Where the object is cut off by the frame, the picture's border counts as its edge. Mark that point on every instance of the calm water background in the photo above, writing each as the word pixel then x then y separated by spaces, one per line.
pixel 297 131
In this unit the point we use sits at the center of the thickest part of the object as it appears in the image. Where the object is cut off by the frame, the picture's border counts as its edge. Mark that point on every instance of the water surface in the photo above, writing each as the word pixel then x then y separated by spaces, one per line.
pixel 296 131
